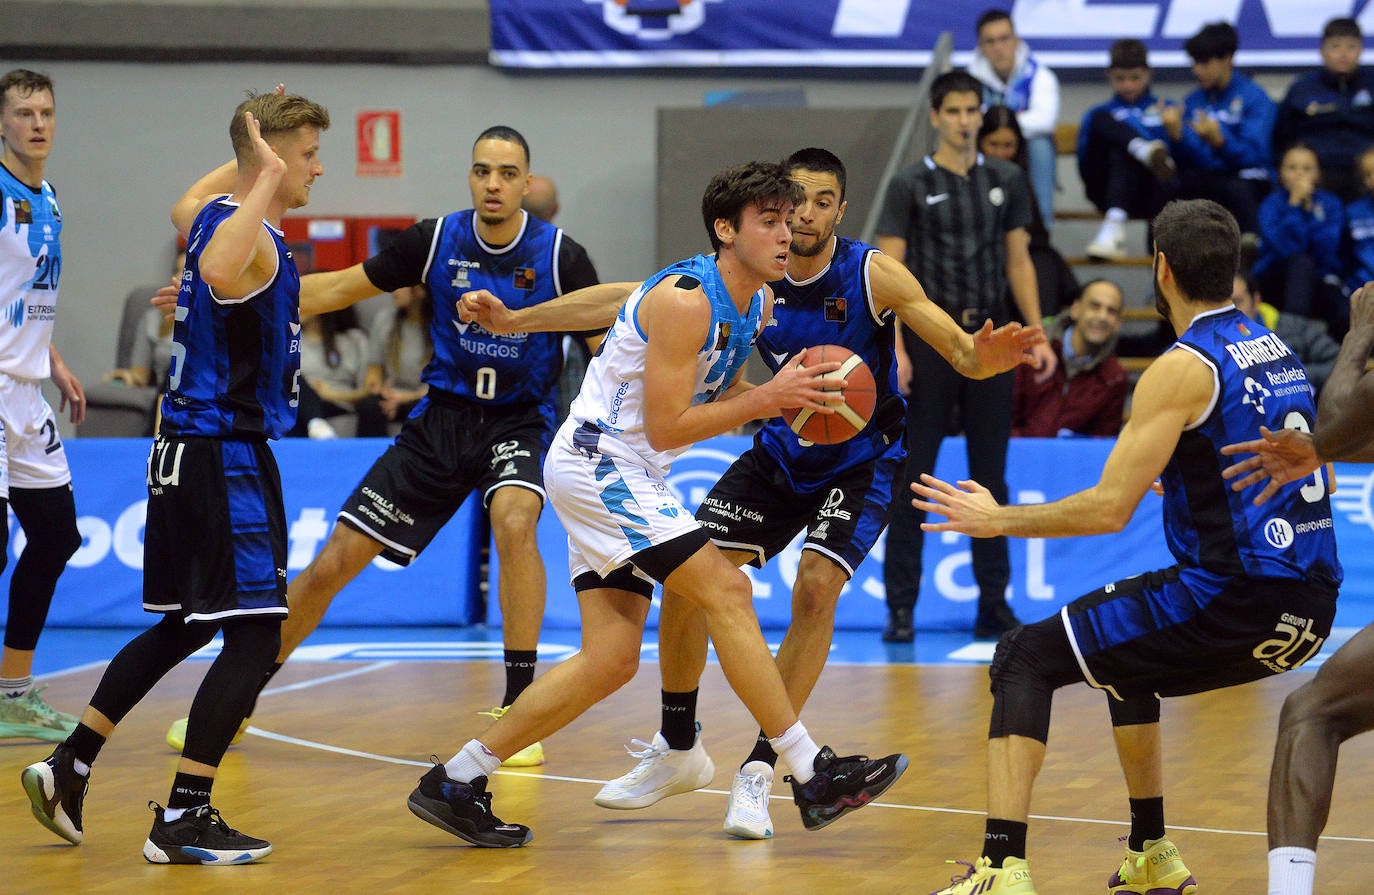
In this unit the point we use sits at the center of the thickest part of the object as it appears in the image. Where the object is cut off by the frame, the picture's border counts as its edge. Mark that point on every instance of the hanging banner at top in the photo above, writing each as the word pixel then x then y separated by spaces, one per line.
pixel 890 33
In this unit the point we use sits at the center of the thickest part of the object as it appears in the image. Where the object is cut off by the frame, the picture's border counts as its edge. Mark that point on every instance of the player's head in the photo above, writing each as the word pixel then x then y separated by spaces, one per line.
pixel 999 136
pixel 541 198
pixel 1197 251
pixel 1246 296
pixel 822 177
pixel 1128 69
pixel 1211 50
pixel 500 174
pixel 27 114
pixel 956 108
pixel 1342 44
pixel 291 125
pixel 745 210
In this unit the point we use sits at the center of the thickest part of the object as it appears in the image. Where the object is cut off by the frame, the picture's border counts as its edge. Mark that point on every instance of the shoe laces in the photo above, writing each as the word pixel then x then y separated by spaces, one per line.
pixel 649 755
pixel 35 703
pixel 496 712
pixel 972 871
pixel 754 787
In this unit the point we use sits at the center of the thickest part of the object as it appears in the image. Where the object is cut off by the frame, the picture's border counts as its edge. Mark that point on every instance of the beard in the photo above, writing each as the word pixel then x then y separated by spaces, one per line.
pixel 820 245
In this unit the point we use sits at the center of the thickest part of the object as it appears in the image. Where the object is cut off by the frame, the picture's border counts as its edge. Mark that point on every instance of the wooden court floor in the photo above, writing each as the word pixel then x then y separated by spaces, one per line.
pixel 338 746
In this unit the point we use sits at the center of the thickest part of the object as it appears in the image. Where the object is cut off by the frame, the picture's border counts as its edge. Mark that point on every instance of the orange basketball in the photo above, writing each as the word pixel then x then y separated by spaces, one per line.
pixel 860 395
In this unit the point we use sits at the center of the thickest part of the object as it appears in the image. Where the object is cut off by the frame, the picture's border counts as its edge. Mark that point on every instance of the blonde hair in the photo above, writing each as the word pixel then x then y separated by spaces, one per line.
pixel 276 113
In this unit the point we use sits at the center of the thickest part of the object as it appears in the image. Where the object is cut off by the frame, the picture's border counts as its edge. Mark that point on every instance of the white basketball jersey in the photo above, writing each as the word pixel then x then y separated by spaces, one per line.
pixel 612 394
pixel 30 266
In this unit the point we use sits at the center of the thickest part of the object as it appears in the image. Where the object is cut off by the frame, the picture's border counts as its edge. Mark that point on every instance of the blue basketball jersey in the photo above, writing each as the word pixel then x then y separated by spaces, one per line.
pixel 520 368
pixel 1213 531
pixel 833 308
pixel 235 363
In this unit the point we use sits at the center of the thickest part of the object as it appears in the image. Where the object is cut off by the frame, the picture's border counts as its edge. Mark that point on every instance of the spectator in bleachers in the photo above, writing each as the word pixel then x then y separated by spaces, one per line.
pixel 1359 228
pixel 1087 393
pixel 399 346
pixel 541 198
pixel 151 352
pixel 1308 338
pixel 1332 109
pixel 1221 136
pixel 1014 78
pixel 333 364
pixel 1123 153
pixel 1298 265
pixel 1000 137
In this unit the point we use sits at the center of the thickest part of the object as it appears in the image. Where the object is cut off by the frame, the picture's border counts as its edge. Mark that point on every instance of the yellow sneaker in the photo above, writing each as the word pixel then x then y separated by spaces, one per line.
pixel 176 734
pixel 1012 878
pixel 528 757
pixel 1157 870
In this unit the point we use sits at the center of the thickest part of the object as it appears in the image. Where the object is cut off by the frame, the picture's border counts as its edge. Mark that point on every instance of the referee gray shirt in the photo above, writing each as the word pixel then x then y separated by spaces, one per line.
pixel 955 229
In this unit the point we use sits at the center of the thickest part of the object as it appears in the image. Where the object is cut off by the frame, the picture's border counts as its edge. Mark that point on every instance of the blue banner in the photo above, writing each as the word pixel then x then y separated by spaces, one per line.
pixel 803 34
pixel 1046 573
pixel 102 585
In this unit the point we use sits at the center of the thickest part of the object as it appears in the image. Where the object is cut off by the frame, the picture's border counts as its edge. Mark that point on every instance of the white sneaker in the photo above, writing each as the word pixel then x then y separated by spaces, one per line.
pixel 747 817
pixel 320 429
pixel 661 772
pixel 1108 245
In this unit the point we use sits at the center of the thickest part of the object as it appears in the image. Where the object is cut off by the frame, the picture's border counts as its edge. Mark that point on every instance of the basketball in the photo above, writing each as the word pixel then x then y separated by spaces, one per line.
pixel 850 417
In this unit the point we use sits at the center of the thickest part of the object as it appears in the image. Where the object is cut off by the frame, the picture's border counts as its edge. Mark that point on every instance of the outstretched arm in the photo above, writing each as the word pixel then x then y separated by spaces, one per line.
pixel 986 353
pixel 589 308
pixel 1174 391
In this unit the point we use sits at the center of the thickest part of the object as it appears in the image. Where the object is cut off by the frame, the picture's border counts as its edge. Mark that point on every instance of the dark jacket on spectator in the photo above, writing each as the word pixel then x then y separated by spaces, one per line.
pixel 1085 396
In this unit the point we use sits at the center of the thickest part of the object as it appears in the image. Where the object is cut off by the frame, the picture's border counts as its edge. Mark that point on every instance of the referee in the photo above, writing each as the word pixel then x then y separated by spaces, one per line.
pixel 959 222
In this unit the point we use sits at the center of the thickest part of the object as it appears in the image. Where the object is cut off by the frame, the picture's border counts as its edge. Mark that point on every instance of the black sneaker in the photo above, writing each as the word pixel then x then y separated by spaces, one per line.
pixel 899 628
pixel 56 792
pixel 842 785
pixel 200 836
pixel 464 809
pixel 993 622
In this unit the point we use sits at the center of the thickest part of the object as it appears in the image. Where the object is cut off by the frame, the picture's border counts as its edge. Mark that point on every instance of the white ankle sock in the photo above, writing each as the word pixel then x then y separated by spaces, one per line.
pixel 475 760
pixel 795 746
pixel 1292 871
pixel 13 688
pixel 1116 215
pixel 1140 148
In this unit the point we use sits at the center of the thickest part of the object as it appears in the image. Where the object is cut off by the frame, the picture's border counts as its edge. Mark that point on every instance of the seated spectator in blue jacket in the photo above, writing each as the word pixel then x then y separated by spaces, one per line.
pixel 1123 156
pixel 1087 393
pixel 1298 267
pixel 1359 227
pixel 1221 137
pixel 1332 109
pixel 1308 338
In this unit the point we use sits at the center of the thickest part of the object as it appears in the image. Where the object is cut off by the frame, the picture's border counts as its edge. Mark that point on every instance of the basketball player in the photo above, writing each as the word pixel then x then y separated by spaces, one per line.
pixel 34 477
pixel 1253 592
pixel 215 545
pixel 835 291
pixel 1337 703
pixel 666 376
pixel 487 418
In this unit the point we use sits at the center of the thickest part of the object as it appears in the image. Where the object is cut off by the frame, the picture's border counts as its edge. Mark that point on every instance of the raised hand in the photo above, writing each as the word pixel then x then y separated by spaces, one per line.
pixel 1281 456
pixel 1005 347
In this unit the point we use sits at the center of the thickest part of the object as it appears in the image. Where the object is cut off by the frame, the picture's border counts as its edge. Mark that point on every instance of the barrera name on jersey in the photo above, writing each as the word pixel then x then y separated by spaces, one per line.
pixel 835 307
pixel 236 363
pixel 30 268
pixel 612 395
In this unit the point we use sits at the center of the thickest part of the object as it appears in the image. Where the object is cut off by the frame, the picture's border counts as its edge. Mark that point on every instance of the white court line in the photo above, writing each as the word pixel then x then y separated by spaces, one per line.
pixel 329 678
pixel 372 756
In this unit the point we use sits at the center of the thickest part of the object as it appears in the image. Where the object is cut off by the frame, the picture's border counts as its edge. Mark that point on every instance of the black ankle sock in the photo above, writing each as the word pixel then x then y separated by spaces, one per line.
pixel 679 725
pixel 190 791
pixel 763 751
pixel 1147 822
pixel 85 743
pixel 519 672
pixel 1004 839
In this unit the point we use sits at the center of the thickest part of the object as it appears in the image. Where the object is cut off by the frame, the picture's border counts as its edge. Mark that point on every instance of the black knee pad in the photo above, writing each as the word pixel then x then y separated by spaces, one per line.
pixel 48 516
pixel 1030 663
pixel 256 640
pixel 1133 710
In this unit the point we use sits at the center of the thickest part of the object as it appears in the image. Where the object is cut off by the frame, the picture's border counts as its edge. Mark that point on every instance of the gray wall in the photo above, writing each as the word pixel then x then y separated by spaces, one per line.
pixel 130 138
